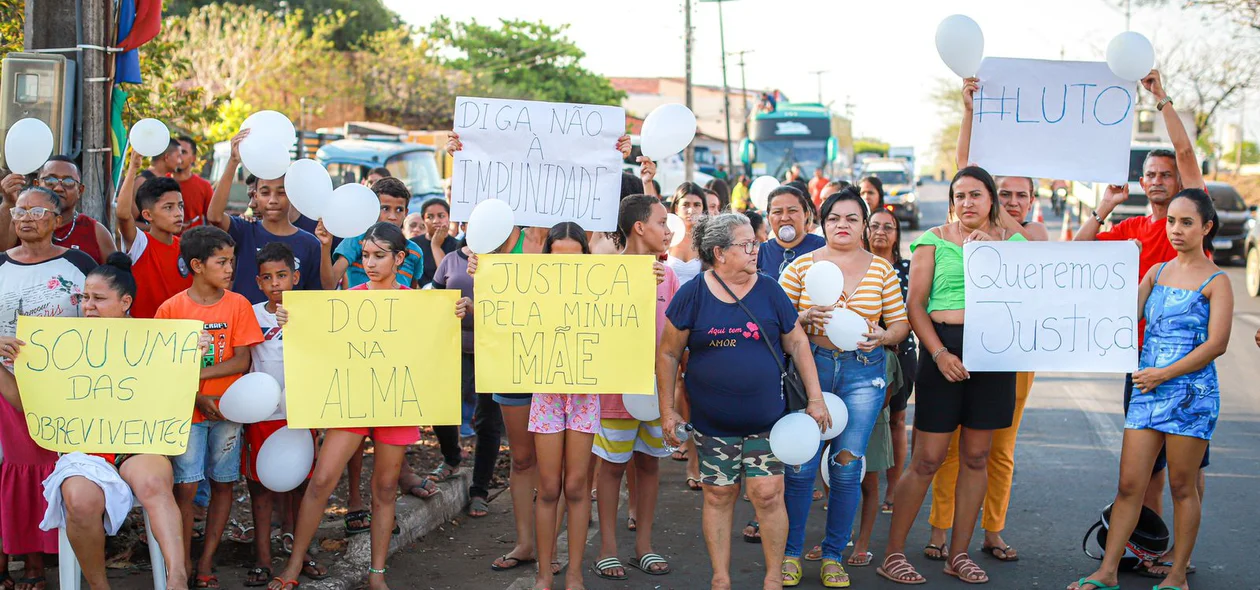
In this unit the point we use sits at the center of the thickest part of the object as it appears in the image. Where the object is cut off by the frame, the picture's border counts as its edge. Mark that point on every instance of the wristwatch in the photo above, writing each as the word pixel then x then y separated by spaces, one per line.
pixel 1159 106
pixel 1099 219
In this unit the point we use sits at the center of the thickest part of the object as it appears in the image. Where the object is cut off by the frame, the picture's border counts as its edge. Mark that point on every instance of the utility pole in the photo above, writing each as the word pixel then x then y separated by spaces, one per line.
pixel 689 154
pixel 743 84
pixel 819 73
pixel 1128 14
pixel 93 81
pixel 1242 139
pixel 726 89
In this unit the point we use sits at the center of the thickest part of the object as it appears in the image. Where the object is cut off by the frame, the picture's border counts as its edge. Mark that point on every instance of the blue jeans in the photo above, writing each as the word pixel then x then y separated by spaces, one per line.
pixel 858 378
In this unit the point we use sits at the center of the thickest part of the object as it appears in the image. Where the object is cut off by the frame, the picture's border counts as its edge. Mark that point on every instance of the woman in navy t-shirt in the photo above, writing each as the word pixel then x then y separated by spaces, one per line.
pixel 733 381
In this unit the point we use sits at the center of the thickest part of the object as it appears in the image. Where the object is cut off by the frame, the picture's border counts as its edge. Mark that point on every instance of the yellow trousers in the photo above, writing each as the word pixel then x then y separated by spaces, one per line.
pixel 1000 469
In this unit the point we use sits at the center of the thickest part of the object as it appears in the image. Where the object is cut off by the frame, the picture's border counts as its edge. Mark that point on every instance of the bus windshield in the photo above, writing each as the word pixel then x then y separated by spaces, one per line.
pixel 779 155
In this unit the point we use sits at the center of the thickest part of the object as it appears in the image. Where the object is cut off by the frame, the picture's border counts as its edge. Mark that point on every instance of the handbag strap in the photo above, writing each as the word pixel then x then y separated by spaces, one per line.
pixel 777 358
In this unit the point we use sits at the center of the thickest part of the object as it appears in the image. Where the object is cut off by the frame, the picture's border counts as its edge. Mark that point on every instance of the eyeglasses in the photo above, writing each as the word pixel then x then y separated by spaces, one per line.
pixel 788 256
pixel 53 181
pixel 749 247
pixel 35 213
pixel 884 227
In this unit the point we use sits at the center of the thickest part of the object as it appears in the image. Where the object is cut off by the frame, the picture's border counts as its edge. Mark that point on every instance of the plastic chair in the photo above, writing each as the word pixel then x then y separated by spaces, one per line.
pixel 71 576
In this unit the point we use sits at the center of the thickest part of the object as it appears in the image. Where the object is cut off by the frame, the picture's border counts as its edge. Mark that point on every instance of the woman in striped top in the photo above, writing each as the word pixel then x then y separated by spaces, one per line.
pixel 873 291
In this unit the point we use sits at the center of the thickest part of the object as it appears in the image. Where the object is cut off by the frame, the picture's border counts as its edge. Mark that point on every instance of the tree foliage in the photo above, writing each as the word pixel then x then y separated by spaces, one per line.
pixel 12 19
pixel 523 60
pixel 365 17
pixel 947 96
pixel 165 94
pixel 870 145
pixel 1250 154
pixel 1208 76
pixel 405 85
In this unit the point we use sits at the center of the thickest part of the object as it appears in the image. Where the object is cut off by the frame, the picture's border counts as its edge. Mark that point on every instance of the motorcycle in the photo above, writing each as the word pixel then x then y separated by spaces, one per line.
pixel 1058 200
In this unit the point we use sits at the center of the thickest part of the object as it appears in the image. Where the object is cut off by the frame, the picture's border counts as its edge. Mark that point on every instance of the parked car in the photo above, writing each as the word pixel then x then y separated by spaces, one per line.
pixel 1234 216
pixel 349 161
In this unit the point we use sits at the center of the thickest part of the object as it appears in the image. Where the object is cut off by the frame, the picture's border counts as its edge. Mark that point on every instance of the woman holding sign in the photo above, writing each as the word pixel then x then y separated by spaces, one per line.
pixel 857 375
pixel 384 250
pixel 37 278
pixel 94 488
pixel 1188 304
pixel 949 396
pixel 735 322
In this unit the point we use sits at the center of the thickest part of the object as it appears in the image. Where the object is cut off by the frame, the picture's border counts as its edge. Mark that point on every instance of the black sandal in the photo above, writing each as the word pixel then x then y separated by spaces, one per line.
pixel 942 553
pixel 258 577
pixel 312 565
pixel 363 517
pixel 755 537
pixel 1004 555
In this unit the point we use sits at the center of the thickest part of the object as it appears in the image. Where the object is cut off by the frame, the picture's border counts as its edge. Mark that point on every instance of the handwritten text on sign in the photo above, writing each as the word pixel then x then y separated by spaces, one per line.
pixel 1052 119
pixel 108 386
pixel 551 162
pixel 565 324
pixel 371 358
pixel 1051 306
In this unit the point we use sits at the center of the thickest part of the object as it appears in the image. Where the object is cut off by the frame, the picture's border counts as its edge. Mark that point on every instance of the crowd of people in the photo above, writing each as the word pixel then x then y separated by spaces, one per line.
pixel 733 321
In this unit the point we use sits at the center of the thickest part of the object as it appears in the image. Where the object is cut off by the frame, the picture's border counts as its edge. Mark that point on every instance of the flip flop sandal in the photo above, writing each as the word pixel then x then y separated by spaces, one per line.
pixel 6 581
pixel 239 533
pixel 792 579
pixel 1005 552
pixel 363 517
pixel 679 455
pixel 645 563
pixel 861 559
pixel 632 524
pixel 1080 585
pixel 814 554
pixel 1144 569
pixel 286 543
pixel 518 562
pixel 838 579
pixel 942 554
pixel 32 582
pixel 206 581
pixel 818 495
pixel 556 568
pixel 886 508
pixel 478 507
pixel 441 473
pixel 901 571
pixel 312 565
pixel 693 483
pixel 427 489
pixel 284 584
pixel 967 572
pixel 258 577
pixel 610 563
pixel 756 536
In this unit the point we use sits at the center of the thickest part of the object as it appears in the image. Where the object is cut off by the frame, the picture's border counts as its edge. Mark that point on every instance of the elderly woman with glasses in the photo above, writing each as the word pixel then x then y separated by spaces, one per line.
pixel 37 278
pixel 75 231
pixel 737 324
pixel 789 211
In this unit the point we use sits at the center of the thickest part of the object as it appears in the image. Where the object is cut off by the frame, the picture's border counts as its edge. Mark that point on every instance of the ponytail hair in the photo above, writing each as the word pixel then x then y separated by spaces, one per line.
pixel 117 272
pixel 1207 212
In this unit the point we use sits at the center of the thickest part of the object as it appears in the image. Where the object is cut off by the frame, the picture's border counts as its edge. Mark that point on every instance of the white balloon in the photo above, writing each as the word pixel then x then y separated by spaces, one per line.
pixel 794 438
pixel 285 459
pixel 252 398
pixel 265 157
pixel 679 229
pixel 351 210
pixel 846 329
pixel 272 124
pixel 839 415
pixel 960 43
pixel 644 408
pixel 824 283
pixel 149 137
pixel 1130 56
pixel 27 145
pixel 489 225
pixel 759 191
pixel 667 130
pixel 309 187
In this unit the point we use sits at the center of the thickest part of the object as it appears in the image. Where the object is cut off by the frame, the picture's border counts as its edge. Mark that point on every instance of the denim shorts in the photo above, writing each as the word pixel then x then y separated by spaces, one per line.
pixel 514 400
pixel 214 450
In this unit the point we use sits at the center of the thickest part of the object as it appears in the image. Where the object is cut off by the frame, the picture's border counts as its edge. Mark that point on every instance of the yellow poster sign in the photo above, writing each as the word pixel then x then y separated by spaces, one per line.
pixel 357 359
pixel 565 324
pixel 108 385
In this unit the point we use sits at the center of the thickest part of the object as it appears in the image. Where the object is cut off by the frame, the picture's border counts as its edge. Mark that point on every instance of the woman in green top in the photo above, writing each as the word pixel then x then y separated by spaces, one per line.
pixel 949 396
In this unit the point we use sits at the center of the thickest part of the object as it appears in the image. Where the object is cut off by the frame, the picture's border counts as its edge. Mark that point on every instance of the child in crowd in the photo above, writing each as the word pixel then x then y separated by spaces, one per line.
pixel 564 428
pixel 277 273
pixel 384 249
pixel 159 269
pixel 213 441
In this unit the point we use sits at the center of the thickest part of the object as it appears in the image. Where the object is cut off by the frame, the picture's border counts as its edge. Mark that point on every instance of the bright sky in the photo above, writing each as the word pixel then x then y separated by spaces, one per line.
pixel 880 54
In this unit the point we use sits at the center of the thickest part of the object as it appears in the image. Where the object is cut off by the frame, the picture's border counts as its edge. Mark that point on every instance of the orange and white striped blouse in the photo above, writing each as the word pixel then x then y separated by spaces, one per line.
pixel 878 294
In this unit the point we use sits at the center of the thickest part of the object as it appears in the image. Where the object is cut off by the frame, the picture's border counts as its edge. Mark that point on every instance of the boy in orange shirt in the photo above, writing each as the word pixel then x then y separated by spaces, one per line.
pixel 214 447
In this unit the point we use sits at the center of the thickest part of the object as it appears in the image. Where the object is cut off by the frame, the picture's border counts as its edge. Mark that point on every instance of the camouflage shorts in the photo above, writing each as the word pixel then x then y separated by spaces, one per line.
pixel 725 460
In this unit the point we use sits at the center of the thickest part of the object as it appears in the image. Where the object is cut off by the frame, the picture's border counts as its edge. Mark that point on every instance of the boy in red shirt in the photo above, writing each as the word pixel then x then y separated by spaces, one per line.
pixel 155 254
pixel 214 447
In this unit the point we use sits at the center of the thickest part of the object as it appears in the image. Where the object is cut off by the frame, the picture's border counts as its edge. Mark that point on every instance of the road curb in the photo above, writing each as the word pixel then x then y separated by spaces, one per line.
pixel 415 517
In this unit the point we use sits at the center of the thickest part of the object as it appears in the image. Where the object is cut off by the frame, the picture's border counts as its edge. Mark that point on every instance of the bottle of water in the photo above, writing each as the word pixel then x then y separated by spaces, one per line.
pixel 683 432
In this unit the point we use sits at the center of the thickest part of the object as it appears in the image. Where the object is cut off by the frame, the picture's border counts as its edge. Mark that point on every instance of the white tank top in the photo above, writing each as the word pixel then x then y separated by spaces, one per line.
pixel 685 270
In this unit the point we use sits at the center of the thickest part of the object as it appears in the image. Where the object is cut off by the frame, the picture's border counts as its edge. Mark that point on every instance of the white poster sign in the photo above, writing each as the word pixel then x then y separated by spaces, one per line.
pixel 1051 306
pixel 1067 120
pixel 550 161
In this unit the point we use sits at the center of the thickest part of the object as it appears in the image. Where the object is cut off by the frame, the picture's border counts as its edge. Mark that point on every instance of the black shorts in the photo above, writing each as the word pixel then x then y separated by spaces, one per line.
pixel 909 360
pixel 1161 461
pixel 986 401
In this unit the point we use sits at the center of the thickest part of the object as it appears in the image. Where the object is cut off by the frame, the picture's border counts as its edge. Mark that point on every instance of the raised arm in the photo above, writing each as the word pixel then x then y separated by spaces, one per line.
pixel 216 213
pixel 1187 163
pixel 125 208
pixel 970 85
pixel 11 186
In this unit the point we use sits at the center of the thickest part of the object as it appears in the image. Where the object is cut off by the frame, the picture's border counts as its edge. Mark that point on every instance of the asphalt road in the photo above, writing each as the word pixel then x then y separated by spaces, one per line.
pixel 1067 461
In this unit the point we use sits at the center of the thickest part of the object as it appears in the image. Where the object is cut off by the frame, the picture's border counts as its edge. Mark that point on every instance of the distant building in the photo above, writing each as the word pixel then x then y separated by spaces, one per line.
pixel 645 94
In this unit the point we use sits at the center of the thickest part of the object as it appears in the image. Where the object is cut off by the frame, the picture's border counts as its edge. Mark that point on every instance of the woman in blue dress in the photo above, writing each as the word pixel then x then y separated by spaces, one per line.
pixel 1187 303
